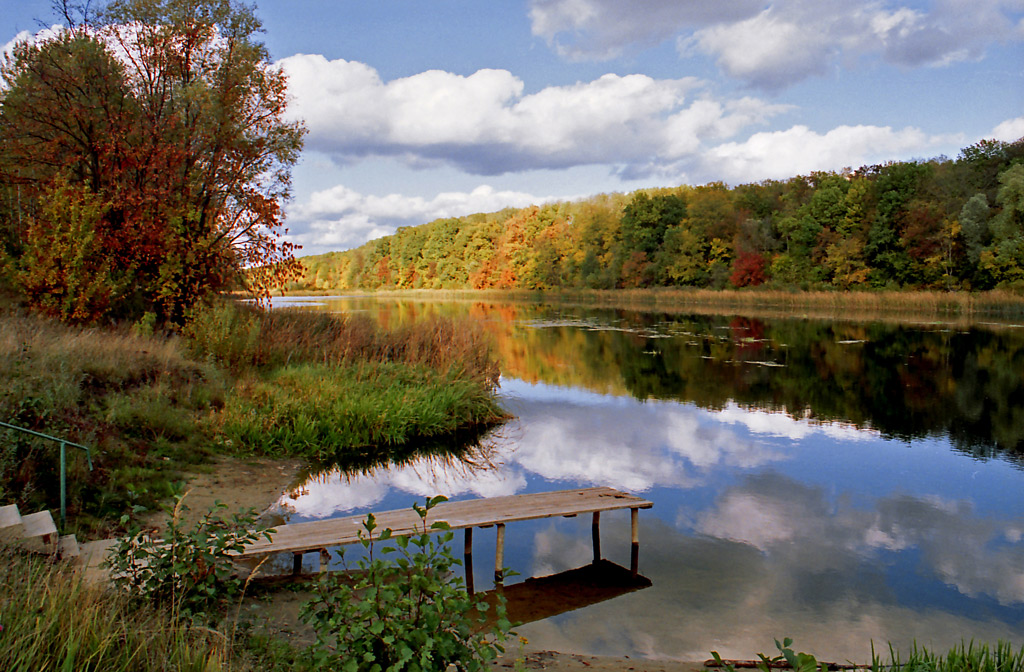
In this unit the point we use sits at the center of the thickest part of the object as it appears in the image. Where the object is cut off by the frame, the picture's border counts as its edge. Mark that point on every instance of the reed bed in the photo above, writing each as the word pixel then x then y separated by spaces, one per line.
pixel 325 413
pixel 243 337
pixel 150 405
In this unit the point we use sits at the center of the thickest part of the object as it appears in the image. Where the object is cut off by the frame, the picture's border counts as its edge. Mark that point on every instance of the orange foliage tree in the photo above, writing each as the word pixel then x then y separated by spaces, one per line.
pixel 167 117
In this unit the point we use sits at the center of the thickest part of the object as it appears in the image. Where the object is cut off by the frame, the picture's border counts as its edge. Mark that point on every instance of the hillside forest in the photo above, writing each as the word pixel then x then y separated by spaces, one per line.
pixel 945 224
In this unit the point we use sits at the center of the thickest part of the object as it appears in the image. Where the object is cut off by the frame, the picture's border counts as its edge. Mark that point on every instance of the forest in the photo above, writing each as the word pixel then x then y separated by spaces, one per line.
pixel 942 224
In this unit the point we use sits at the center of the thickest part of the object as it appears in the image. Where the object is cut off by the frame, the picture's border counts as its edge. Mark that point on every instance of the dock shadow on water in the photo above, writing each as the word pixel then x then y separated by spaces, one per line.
pixel 539 598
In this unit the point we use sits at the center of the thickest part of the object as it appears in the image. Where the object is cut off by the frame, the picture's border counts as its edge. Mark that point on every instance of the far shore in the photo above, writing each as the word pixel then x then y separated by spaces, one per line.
pixel 957 308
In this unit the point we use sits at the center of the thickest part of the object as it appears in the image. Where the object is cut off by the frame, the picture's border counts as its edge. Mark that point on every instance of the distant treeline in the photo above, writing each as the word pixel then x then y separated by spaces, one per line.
pixel 937 224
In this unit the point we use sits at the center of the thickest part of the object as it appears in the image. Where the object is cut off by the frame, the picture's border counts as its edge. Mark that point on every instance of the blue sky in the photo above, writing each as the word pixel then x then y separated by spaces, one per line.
pixel 418 110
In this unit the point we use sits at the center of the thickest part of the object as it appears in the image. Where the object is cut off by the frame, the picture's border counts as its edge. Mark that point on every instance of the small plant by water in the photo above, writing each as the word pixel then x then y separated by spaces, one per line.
pixel 407 613
pixel 188 568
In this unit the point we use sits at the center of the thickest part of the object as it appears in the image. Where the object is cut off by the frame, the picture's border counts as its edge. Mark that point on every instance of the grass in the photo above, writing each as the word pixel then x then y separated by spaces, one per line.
pixel 238 380
pixel 311 411
pixel 965 657
pixel 52 620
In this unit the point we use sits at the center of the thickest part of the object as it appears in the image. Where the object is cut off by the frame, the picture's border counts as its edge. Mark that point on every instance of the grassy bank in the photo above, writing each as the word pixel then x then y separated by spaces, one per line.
pixel 285 383
pixel 305 410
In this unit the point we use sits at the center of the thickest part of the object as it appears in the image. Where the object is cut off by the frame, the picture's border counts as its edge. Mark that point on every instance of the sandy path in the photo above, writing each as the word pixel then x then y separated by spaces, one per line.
pixel 239 483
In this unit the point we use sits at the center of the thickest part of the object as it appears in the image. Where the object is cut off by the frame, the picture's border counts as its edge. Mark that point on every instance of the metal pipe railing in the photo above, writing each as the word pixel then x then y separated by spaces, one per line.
pixel 63 463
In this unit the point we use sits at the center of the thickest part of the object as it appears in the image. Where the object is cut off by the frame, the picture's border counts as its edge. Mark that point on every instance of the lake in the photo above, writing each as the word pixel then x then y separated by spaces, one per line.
pixel 837 482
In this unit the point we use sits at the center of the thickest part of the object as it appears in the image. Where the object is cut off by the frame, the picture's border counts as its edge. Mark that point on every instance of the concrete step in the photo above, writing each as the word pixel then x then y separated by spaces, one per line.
pixel 91 554
pixel 67 548
pixel 40 533
pixel 11 528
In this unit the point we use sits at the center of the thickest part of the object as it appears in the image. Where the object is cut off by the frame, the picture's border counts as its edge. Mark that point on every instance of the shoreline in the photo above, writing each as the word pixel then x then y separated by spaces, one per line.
pixel 994 307
pixel 573 662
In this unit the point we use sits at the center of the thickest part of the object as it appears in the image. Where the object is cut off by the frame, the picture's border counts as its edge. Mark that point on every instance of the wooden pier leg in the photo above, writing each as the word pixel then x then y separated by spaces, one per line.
pixel 499 557
pixel 595 531
pixel 325 560
pixel 634 556
pixel 296 564
pixel 467 554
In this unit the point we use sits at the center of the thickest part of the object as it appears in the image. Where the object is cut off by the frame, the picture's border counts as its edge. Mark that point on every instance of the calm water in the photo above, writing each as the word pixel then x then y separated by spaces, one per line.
pixel 838 483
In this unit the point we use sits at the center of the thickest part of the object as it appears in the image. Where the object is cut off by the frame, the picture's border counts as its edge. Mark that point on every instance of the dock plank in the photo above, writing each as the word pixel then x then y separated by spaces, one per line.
pixel 316 535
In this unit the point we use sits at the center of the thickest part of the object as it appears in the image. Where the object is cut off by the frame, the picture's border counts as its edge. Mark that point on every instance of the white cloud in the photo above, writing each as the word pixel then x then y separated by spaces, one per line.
pixel 783 425
pixel 800 151
pixel 31 38
pixel 340 218
pixel 773 45
pixel 484 123
pixel 602 29
pixel 1010 130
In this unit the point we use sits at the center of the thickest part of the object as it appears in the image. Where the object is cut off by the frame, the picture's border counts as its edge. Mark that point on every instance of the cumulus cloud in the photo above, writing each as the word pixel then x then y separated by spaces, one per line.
pixel 798 524
pixel 30 38
pixel 1009 130
pixel 773 46
pixel 341 218
pixel 485 124
pixel 602 29
pixel 799 150
pixel 783 425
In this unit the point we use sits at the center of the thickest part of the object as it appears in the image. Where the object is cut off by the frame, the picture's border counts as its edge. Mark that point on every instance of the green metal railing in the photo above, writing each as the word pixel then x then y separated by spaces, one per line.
pixel 63 463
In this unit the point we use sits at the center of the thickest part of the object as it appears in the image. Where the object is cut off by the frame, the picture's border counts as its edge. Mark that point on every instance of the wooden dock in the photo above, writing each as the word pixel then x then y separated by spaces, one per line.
pixel 318 536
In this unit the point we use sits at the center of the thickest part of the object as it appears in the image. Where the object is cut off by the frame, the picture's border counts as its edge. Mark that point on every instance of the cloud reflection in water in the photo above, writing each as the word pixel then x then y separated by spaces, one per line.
pixel 739 552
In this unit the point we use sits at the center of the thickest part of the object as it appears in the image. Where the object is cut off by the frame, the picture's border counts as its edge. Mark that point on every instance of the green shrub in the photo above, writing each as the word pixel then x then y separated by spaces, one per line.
pixel 405 614
pixel 225 333
pixel 189 570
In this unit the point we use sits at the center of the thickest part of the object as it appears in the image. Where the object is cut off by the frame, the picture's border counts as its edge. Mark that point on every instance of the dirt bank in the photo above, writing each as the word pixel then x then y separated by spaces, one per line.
pixel 238 483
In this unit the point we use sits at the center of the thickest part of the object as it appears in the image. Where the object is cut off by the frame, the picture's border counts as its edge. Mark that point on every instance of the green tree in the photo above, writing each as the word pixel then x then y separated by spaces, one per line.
pixel 1004 258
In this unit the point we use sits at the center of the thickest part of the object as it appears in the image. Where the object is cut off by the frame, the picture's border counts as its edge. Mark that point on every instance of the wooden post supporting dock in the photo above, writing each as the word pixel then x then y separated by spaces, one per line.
pixel 595 532
pixel 499 556
pixel 467 554
pixel 634 555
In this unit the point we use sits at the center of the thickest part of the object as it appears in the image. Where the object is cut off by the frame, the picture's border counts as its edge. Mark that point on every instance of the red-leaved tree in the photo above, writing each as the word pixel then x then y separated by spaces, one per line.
pixel 170 117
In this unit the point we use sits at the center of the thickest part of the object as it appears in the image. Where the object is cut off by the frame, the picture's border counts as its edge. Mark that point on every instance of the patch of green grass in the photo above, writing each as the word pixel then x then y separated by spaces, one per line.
pixel 318 411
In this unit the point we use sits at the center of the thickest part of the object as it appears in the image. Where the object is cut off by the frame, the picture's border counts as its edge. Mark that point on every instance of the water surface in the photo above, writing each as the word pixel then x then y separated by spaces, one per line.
pixel 836 482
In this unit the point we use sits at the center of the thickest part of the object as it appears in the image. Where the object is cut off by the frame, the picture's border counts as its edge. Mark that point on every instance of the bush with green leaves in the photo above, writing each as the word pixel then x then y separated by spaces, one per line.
pixel 189 569
pixel 405 613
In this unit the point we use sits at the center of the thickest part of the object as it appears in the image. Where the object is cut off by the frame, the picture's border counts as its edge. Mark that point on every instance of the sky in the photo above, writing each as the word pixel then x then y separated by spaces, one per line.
pixel 422 109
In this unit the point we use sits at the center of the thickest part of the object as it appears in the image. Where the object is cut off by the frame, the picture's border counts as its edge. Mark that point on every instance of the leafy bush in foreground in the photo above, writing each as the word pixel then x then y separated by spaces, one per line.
pixel 406 614
pixel 189 570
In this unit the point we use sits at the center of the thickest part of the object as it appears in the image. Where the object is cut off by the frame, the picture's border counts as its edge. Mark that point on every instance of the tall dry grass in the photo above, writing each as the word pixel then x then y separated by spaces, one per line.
pixel 243 337
pixel 52 620
pixel 135 400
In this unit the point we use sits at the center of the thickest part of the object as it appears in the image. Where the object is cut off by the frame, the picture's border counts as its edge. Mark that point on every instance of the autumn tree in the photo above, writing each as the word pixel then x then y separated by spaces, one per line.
pixel 170 116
